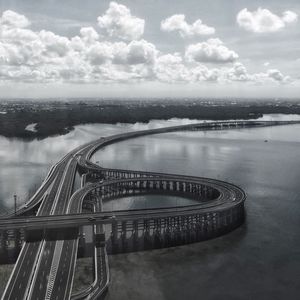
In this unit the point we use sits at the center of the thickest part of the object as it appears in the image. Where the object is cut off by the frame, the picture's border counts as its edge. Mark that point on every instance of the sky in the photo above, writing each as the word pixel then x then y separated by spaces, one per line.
pixel 150 48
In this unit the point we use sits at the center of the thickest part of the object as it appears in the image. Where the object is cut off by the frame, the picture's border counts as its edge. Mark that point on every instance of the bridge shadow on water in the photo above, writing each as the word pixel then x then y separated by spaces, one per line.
pixel 174 272
pixel 174 233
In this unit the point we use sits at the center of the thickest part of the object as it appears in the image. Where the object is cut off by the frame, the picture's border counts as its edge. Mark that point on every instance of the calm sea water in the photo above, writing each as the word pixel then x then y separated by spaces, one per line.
pixel 24 165
pixel 260 260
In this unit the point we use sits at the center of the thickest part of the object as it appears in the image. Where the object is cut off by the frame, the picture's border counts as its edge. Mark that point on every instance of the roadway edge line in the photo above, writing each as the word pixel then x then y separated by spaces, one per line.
pixel 33 274
pixel 13 271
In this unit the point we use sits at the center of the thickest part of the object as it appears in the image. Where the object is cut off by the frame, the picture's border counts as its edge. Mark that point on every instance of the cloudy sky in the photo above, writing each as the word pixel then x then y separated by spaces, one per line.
pixel 150 48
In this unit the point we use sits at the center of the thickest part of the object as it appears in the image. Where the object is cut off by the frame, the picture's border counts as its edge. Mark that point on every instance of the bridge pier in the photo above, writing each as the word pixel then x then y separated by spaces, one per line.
pixel 167 237
pixel 4 240
pixel 123 235
pixel 146 235
pixel 17 242
pixel 165 231
pixel 3 246
pixel 81 243
pixel 157 234
pixel 135 234
pixel 114 236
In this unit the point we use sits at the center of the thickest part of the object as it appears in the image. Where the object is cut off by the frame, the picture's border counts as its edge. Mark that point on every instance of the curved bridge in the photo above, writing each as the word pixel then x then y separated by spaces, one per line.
pixel 219 209
pixel 46 266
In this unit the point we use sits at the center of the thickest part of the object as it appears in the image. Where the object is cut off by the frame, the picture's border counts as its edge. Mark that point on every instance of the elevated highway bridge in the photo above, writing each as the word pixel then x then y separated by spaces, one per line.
pixel 45 266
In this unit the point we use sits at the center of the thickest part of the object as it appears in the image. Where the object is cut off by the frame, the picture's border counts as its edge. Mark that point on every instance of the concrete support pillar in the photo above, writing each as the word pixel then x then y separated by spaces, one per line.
pixel 124 235
pixel 177 231
pixel 209 225
pixel 135 229
pixel 168 185
pixel 81 243
pixel 135 234
pixel 18 240
pixel 4 240
pixel 147 237
pixel 194 189
pixel 157 234
pixel 167 235
pixel 188 187
pixel 198 190
pixel 203 227
pixel 156 185
pixel 224 219
pixel 114 236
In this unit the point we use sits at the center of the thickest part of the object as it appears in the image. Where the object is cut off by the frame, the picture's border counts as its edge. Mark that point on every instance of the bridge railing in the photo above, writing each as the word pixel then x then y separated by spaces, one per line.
pixel 160 232
pixel 144 231
pixel 195 190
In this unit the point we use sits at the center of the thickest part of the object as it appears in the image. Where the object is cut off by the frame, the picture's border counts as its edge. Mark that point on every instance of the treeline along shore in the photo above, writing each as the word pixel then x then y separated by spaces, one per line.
pixel 49 118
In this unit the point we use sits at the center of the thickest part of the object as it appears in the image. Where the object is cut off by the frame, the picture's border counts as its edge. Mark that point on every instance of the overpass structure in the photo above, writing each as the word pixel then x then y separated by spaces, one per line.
pixel 50 221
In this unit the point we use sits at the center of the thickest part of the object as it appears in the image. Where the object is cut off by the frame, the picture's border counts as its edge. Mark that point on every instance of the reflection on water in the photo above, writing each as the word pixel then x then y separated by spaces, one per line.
pixel 217 154
pixel 146 202
pixel 23 165
pixel 260 260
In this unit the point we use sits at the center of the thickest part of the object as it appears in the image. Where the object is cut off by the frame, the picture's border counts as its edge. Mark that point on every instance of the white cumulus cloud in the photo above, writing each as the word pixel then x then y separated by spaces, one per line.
pixel 202 73
pixel 278 76
pixel 212 51
pixel 89 34
pixel 54 44
pixel 44 56
pixel 289 17
pixel 136 52
pixel 118 22
pixel 263 20
pixel 12 19
pixel 178 23
pixel 100 52
pixel 170 68
pixel 239 73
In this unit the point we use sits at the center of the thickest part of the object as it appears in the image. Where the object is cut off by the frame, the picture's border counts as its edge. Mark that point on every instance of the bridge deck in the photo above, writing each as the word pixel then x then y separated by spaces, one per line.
pixel 58 209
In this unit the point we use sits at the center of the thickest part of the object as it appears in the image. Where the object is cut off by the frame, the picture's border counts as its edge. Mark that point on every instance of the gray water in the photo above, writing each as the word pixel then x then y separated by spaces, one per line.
pixel 146 202
pixel 24 164
pixel 260 260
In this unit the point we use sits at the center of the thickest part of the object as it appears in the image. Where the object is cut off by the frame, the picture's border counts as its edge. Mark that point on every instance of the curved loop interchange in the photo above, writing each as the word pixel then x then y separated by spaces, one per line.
pixel 220 209
pixel 220 206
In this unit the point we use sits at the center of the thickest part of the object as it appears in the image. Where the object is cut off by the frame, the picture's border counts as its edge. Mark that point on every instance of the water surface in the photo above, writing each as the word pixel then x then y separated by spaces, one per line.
pixel 260 260
pixel 24 164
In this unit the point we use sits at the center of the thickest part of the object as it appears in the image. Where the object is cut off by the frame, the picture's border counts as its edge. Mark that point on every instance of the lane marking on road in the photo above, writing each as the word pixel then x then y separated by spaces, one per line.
pixel 54 267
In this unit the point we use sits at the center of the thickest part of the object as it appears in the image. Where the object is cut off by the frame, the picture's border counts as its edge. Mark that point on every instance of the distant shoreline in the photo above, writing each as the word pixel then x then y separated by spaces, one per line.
pixel 39 120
